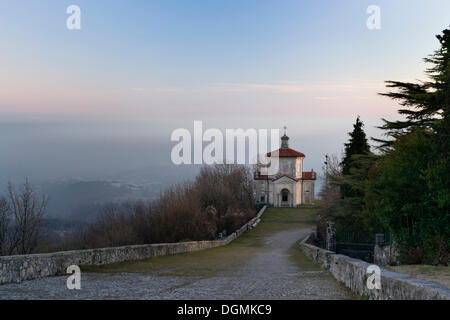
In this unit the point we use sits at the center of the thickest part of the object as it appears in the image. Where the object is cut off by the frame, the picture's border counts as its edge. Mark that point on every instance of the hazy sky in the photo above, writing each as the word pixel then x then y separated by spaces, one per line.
pixel 105 98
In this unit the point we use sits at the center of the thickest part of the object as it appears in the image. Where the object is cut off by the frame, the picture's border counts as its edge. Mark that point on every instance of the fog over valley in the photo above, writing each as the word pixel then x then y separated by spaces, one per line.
pixel 85 163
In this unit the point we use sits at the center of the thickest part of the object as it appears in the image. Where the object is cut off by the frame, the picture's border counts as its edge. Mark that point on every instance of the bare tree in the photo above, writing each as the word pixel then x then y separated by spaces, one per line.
pixel 330 192
pixel 330 195
pixel 4 224
pixel 27 212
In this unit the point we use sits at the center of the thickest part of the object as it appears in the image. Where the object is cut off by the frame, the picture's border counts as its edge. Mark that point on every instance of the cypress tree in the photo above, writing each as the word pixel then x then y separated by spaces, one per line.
pixel 357 145
pixel 355 165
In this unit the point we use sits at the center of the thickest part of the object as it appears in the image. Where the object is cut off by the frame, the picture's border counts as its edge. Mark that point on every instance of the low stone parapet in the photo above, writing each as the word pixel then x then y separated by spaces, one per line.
pixel 353 274
pixel 26 267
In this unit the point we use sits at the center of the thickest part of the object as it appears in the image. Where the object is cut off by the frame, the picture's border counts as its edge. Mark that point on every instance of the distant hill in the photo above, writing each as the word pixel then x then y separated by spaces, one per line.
pixel 81 200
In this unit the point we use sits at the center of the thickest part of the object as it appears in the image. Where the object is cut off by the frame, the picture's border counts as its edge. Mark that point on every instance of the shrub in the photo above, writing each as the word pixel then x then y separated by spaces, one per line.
pixel 220 198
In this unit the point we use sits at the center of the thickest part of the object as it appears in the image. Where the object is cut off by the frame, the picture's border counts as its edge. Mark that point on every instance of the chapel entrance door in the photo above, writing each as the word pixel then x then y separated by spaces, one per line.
pixel 285 198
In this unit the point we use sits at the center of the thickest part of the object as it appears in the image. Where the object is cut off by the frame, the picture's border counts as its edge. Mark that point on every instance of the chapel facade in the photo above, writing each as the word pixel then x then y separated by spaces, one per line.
pixel 290 186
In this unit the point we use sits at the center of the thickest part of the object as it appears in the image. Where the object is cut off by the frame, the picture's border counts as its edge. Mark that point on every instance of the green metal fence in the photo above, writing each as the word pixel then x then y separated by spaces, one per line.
pixel 357 236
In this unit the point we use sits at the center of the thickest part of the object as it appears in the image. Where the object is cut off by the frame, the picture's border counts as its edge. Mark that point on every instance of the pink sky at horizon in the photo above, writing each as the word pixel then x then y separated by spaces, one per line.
pixel 247 99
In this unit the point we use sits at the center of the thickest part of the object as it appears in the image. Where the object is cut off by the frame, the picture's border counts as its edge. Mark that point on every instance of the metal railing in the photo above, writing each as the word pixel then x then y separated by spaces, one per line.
pixel 363 237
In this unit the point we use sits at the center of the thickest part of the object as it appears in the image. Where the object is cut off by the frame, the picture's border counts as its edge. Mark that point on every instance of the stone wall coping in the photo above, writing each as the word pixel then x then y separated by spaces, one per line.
pixel 70 252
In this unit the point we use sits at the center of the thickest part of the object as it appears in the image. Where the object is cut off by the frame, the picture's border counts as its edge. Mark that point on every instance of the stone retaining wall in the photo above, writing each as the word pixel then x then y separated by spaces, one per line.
pixel 353 274
pixel 385 255
pixel 25 267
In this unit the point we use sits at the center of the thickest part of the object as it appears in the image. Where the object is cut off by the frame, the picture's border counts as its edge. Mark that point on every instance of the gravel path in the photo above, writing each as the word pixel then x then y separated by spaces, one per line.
pixel 272 273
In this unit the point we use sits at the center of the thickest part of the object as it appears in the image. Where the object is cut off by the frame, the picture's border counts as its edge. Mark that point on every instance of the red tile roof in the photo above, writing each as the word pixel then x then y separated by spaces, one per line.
pixel 308 175
pixel 286 152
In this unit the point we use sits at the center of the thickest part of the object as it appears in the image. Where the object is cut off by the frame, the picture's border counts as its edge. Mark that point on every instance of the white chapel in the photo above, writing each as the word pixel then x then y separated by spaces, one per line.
pixel 289 187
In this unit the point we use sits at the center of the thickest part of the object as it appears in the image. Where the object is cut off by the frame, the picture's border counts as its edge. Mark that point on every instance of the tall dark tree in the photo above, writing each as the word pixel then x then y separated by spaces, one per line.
pixel 402 192
pixel 410 189
pixel 425 104
pixel 355 166
pixel 357 145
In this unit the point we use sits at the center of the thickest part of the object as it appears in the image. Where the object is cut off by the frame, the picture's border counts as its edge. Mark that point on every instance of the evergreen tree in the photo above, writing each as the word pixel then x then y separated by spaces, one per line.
pixel 406 194
pixel 425 104
pixel 355 166
pixel 410 189
pixel 357 145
